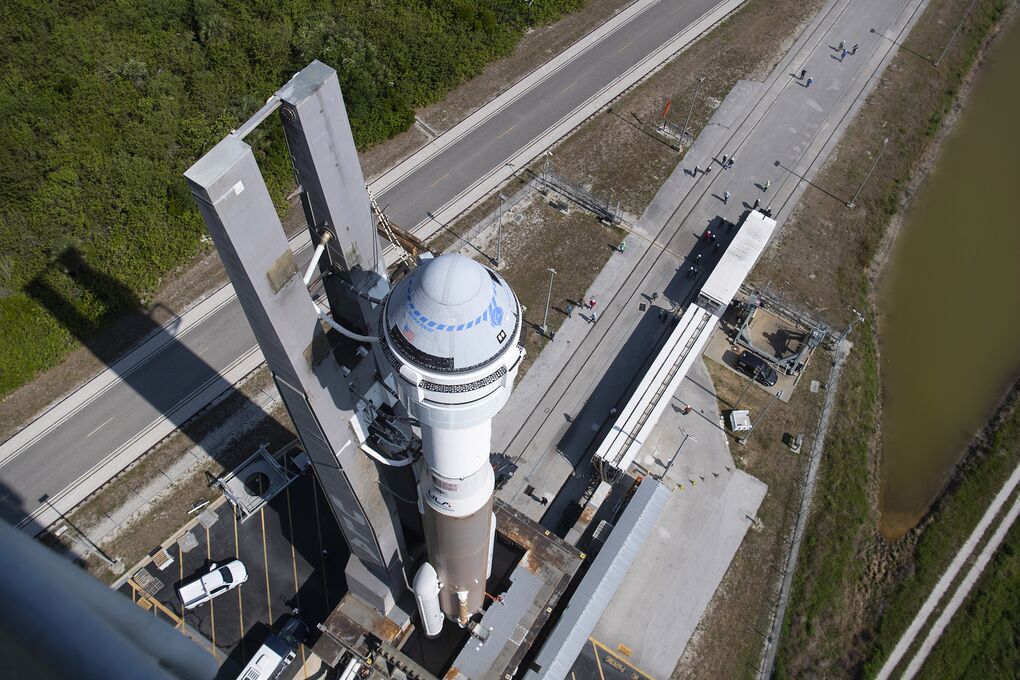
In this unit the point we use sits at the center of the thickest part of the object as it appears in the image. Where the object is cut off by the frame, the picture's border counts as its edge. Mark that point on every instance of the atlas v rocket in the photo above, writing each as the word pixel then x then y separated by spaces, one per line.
pixel 439 351
pixel 451 331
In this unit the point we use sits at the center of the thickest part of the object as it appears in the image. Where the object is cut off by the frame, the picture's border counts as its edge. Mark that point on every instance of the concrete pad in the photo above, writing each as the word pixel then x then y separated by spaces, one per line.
pixel 725 354
pixel 677 571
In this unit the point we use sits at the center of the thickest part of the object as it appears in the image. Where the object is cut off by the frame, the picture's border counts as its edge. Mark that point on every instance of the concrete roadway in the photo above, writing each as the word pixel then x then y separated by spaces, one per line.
pixel 496 140
pixel 81 442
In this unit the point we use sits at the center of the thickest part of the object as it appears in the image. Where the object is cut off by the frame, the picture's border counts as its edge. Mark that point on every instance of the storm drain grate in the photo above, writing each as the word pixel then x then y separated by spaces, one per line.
pixel 147 583
pixel 161 558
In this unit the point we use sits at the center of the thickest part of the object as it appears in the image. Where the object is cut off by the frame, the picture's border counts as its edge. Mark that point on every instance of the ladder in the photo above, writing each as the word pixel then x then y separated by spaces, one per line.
pixel 388 229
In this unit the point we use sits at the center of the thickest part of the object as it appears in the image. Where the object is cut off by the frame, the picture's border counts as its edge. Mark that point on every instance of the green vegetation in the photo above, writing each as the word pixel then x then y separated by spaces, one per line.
pixel 105 104
pixel 956 514
pixel 834 604
pixel 982 642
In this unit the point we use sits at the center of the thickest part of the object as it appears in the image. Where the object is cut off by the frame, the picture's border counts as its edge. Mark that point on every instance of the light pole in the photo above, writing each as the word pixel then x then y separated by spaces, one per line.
pixel 743 440
pixel 853 201
pixel 548 300
pixel 115 565
pixel 499 233
pixel 953 36
pixel 683 135
pixel 850 326
pixel 687 435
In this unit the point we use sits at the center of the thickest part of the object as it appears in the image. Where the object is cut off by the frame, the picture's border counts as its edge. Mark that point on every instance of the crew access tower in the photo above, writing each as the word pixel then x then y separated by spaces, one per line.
pixel 391 391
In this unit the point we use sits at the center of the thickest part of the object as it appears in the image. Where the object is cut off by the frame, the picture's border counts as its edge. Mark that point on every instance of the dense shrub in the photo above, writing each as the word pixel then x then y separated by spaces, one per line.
pixel 104 104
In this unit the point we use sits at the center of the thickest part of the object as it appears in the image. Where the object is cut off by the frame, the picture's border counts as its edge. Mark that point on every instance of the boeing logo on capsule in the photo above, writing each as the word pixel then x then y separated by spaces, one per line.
pixel 495 311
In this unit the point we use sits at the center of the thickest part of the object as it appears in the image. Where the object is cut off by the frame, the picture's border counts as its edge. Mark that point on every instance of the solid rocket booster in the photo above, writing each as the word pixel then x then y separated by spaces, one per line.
pixel 452 330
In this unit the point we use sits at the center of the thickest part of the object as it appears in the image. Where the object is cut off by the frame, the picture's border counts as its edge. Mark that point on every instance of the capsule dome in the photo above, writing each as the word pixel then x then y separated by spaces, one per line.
pixel 452 314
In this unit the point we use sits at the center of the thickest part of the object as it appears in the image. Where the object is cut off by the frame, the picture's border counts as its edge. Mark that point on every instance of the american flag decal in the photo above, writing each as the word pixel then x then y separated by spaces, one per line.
pixel 408 333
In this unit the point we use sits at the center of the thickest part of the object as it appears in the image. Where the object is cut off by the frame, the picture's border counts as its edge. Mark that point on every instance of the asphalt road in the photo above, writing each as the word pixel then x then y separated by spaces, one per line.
pixel 492 143
pixel 167 381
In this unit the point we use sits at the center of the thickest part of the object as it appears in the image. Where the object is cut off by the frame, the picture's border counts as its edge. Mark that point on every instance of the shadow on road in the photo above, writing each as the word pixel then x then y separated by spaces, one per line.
pixel 166 382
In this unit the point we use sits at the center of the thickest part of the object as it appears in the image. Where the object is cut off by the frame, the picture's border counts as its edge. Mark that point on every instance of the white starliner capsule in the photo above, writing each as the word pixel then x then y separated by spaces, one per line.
pixel 452 331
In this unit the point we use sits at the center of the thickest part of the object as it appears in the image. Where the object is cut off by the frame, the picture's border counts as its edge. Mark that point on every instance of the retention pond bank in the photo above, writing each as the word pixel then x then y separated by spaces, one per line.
pixel 952 299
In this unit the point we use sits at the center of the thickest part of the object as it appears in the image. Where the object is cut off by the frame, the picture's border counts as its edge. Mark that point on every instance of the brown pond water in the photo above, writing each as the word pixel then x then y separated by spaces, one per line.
pixel 951 327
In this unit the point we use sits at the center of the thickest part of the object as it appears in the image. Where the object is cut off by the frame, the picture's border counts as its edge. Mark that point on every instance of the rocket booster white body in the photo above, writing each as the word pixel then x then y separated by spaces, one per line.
pixel 451 330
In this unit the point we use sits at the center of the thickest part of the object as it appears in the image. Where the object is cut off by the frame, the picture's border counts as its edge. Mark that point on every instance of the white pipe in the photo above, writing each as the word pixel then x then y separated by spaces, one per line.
pixel 403 462
pixel 343 331
pixel 319 249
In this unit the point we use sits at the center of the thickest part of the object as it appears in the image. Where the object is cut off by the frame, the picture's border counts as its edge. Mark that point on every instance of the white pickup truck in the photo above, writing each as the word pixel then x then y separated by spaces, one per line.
pixel 216 581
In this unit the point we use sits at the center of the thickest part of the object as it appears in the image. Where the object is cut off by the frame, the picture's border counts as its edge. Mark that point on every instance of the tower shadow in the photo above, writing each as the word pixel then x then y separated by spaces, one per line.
pixel 165 382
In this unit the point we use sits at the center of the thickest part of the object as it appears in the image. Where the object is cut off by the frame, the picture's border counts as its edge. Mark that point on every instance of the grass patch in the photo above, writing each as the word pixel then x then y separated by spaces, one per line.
pixel 823 258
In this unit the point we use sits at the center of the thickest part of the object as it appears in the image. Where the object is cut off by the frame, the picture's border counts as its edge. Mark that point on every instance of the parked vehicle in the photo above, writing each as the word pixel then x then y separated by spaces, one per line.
pixel 215 582
pixel 277 652
pixel 751 364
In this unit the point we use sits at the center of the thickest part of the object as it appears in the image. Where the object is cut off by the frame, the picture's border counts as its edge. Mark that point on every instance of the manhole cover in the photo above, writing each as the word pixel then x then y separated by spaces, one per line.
pixel 188 542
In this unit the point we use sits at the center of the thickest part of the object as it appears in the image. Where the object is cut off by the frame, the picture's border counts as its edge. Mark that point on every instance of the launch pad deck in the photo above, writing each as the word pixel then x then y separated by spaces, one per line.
pixel 529 577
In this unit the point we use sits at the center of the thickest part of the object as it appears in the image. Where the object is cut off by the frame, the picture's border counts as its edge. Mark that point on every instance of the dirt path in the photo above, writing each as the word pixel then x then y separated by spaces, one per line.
pixel 947 579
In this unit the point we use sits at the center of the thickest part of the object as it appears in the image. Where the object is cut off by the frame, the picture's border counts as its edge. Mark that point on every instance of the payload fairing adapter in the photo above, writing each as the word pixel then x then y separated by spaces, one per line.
pixel 451 331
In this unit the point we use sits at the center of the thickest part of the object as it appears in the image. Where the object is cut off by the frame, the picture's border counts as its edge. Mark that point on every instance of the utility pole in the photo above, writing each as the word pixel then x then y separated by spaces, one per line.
pixel 115 565
pixel 548 300
pixel 687 435
pixel 849 327
pixel 853 201
pixel 683 136
pixel 743 440
pixel 750 381
pixel 953 36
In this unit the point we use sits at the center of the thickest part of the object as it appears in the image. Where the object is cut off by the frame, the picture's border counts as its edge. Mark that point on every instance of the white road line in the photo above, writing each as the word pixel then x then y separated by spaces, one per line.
pixel 100 427
pixel 961 593
pixel 937 593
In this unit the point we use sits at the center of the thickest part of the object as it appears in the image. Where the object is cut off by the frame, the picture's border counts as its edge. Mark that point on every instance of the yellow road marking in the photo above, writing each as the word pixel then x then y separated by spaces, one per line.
pixel 625 47
pixel 180 561
pixel 507 130
pixel 293 551
pixel 568 87
pixel 438 181
pixel 240 603
pixel 265 556
pixel 622 660
pixel 598 661
pixel 100 427
pixel 318 533
pixel 212 603
pixel 293 561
